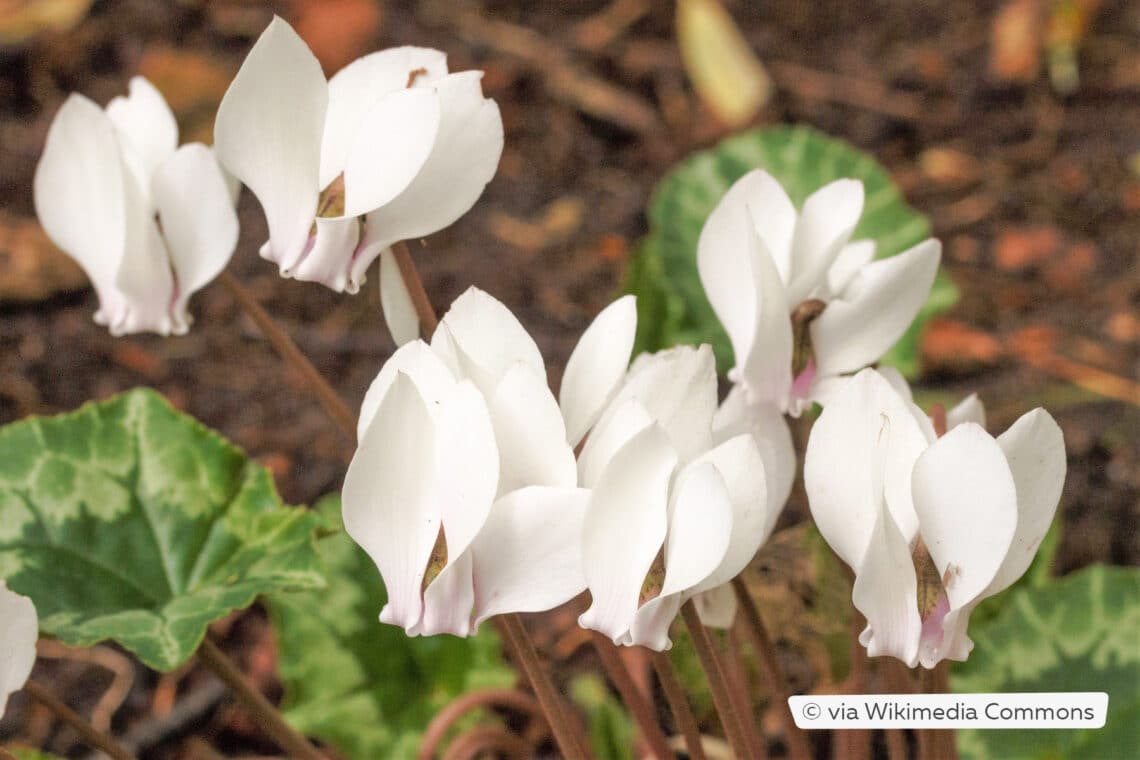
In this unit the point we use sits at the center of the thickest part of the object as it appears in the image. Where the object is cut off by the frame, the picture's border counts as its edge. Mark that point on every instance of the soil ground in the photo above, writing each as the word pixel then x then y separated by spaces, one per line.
pixel 1035 196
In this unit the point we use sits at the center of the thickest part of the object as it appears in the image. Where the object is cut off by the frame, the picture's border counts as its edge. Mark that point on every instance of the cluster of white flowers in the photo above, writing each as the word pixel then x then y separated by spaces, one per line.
pixel 474 490
pixel 393 147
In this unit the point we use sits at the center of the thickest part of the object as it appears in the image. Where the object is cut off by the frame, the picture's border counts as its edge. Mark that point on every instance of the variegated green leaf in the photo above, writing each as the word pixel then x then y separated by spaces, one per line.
pixel 367 688
pixel 1078 633
pixel 127 520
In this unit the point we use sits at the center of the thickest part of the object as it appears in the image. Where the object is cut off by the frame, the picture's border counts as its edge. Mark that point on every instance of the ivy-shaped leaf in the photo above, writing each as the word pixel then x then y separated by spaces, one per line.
pixel 366 688
pixel 672 307
pixel 1078 633
pixel 130 521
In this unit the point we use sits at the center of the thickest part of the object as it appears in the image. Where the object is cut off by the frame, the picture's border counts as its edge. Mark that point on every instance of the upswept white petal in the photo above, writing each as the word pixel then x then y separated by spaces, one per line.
pixel 621 422
pixel 528 556
pixel 147 127
pixel 79 197
pixel 677 387
pixel 19 629
pixel 393 141
pixel 969 409
pixel 717 606
pixel 144 278
pixel 824 226
pixel 198 220
pixel 651 622
pixel 954 643
pixel 966 503
pixel 448 600
pixel 530 433
pixel 755 204
pixel 867 432
pixel 467 465
pixel 886 592
pixel 358 86
pixel 766 370
pixel 700 528
pixel 325 255
pixel 427 372
pixel 852 258
pixel 897 381
pixel 388 499
pixel 624 528
pixel 773 438
pixel 1035 451
pixel 463 160
pixel 597 366
pixel 739 463
pixel 268 134
pixel 875 310
pixel 396 302
pixel 489 339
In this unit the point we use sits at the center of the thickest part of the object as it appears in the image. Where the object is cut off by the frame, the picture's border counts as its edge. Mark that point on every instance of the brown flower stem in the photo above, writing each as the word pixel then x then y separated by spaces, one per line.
pixel 736 672
pixel 635 702
pixel 562 724
pixel 261 709
pixel 443 721
pixel 897 680
pixel 936 743
pixel 855 744
pixel 424 311
pixel 718 685
pixel 679 704
pixel 484 741
pixel 89 733
pixel 799 748
pixel 333 404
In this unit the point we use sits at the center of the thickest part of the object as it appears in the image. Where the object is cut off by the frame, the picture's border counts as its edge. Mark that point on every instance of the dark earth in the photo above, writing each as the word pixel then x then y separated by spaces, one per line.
pixel 1035 195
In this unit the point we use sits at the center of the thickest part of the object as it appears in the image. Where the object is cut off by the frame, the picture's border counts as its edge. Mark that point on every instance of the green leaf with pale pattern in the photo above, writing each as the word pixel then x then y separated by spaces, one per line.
pixel 1077 633
pixel 364 687
pixel 127 520
pixel 672 307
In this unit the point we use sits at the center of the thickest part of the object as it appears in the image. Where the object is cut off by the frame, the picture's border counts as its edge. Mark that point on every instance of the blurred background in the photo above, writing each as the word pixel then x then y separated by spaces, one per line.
pixel 1013 125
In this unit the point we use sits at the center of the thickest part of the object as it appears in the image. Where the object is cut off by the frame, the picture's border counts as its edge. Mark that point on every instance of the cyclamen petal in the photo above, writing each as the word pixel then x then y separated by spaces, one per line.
pixel 392 145
pixel 19 629
pixel 978 508
pixel 463 488
pixel 104 177
pixel 800 303
pixel 597 366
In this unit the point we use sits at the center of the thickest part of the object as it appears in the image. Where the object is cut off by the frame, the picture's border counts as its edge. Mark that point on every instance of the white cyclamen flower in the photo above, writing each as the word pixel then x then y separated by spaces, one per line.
pixel 19 628
pixel 463 490
pixel 150 223
pixel 930 526
pixel 801 304
pixel 674 511
pixel 392 148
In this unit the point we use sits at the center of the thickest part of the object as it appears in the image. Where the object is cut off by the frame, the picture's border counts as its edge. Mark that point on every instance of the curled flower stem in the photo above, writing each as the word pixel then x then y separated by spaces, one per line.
pixel 798 746
pixel 730 719
pixel 424 311
pixel 936 743
pixel 89 733
pixel 679 704
pixel 261 709
pixel 446 718
pixel 333 404
pixel 482 740
pixel 562 723
pixel 638 706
